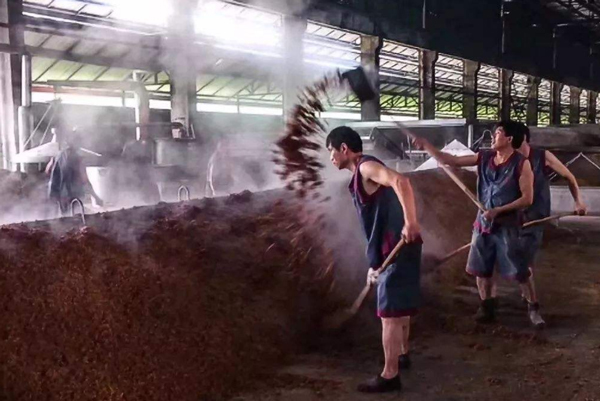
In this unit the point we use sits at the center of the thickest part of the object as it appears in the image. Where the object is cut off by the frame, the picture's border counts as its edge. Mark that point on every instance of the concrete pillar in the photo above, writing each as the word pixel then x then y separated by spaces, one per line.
pixel 574 104
pixel 470 71
pixel 505 78
pixel 25 114
pixel 591 107
pixel 142 106
pixel 533 84
pixel 370 49
pixel 555 90
pixel 427 60
pixel 293 52
pixel 182 76
pixel 10 78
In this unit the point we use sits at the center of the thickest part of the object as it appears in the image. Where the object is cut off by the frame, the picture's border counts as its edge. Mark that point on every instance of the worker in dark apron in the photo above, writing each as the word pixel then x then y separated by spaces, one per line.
pixel 68 177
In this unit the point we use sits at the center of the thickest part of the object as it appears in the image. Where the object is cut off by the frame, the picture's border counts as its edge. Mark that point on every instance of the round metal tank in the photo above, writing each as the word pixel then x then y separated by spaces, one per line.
pixel 105 182
pixel 178 152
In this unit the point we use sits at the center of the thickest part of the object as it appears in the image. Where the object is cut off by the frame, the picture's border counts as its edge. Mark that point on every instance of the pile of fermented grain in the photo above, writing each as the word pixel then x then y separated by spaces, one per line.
pixel 297 152
pixel 164 303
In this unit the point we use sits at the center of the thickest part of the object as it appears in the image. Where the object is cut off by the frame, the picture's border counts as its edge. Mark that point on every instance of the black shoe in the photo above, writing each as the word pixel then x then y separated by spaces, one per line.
pixel 487 311
pixel 380 385
pixel 404 362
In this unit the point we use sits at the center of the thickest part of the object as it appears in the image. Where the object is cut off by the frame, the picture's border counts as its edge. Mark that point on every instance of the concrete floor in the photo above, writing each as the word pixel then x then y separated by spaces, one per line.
pixel 455 359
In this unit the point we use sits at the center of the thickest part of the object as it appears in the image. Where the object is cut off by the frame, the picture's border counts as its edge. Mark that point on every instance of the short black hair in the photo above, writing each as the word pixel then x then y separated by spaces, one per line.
pixel 514 130
pixel 345 135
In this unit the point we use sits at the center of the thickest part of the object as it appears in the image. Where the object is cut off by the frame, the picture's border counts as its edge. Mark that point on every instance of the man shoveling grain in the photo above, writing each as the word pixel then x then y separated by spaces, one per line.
pixel 385 203
pixel 505 189
pixel 542 161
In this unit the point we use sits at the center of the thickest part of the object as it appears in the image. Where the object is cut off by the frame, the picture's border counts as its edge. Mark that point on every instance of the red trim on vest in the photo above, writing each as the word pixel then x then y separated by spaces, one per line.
pixel 357 187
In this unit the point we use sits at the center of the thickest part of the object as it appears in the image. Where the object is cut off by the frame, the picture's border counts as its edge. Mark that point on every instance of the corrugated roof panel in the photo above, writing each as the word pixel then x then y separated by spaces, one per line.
pixel 115 74
pixel 40 64
pixel 61 71
pixel 234 86
pixel 115 50
pixel 39 2
pixel 88 47
pixel 97 10
pixel 69 5
pixel 60 43
pixel 213 87
pixel 35 39
pixel 87 73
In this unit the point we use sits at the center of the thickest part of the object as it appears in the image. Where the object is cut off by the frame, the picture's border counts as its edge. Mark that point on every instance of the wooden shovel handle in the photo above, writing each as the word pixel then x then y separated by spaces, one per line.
pixel 461 185
pixel 528 224
pixel 367 288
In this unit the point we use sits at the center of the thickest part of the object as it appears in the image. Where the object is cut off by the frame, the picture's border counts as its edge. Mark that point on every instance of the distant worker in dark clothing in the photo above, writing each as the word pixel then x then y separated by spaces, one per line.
pixel 68 177
pixel 139 156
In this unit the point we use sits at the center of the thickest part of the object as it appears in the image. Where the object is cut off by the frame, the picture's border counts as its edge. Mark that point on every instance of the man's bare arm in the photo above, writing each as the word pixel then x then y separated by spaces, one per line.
pixel 526 199
pixel 401 185
pixel 562 170
pixel 446 158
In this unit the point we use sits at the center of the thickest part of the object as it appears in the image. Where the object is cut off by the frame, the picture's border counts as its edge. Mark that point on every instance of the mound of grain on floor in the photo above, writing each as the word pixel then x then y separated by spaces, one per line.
pixel 166 303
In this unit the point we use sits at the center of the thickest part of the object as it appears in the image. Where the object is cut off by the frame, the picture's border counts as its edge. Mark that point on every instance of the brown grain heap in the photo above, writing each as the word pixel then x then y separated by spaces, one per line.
pixel 180 302
pixel 297 152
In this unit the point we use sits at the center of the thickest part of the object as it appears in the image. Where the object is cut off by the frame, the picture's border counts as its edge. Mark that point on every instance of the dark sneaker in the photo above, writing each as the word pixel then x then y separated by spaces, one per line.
pixel 404 362
pixel 535 316
pixel 380 385
pixel 487 311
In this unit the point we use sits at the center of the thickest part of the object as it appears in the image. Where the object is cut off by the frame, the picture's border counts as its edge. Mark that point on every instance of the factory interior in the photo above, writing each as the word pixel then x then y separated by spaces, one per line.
pixel 208 238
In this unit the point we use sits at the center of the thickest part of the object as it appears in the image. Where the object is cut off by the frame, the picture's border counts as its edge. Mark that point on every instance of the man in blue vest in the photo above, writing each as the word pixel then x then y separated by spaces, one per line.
pixel 505 189
pixel 386 207
pixel 542 163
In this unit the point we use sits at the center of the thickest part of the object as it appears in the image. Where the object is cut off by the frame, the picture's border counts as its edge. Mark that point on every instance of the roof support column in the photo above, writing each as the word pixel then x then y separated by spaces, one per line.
pixel 25 114
pixel 294 28
pixel 533 86
pixel 182 75
pixel 555 89
pixel 142 107
pixel 11 13
pixel 592 107
pixel 427 60
pixel 470 71
pixel 574 104
pixel 370 50
pixel 505 78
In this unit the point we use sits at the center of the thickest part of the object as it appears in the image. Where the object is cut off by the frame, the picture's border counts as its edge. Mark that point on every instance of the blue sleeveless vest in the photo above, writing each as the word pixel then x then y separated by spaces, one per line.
pixel 541 186
pixel 381 215
pixel 498 186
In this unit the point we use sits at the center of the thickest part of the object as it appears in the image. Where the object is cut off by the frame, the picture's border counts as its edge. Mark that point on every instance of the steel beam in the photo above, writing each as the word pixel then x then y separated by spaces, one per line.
pixel 427 60
pixel 555 109
pixel 591 107
pixel 575 101
pixel 470 71
pixel 505 82
pixel 533 84
pixel 370 47
pixel 293 77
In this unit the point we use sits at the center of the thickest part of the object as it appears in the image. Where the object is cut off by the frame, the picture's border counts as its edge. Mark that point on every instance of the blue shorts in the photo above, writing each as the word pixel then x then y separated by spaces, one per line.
pixel 531 242
pixel 399 286
pixel 501 247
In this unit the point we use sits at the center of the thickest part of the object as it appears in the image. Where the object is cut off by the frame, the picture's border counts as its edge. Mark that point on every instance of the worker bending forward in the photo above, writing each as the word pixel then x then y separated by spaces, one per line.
pixel 385 203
